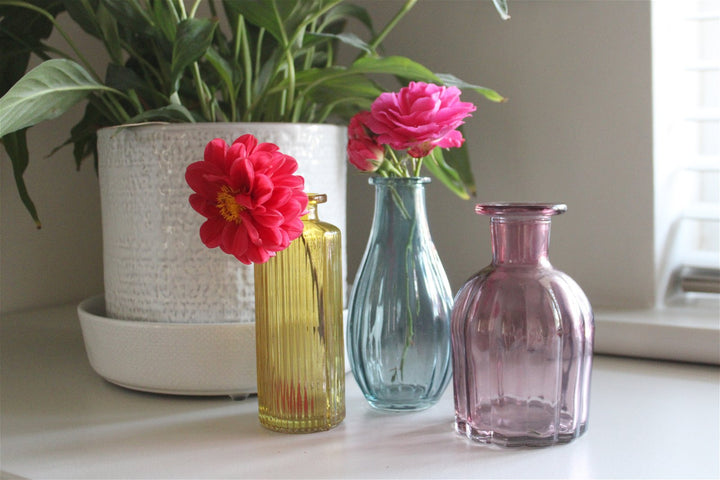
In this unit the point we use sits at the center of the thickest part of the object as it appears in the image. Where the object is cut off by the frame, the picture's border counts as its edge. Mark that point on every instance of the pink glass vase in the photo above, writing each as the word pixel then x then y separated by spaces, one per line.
pixel 522 338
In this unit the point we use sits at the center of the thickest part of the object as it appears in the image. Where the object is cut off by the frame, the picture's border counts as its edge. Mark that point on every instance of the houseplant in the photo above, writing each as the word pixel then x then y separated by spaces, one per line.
pixel 271 60
pixel 263 61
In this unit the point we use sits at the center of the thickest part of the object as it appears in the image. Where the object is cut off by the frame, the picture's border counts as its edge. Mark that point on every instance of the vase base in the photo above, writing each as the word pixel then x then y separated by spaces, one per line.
pixel 405 397
pixel 299 426
pixel 498 439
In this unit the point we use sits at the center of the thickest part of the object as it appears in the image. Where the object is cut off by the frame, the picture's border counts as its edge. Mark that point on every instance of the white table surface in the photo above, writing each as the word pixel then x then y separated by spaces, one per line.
pixel 648 419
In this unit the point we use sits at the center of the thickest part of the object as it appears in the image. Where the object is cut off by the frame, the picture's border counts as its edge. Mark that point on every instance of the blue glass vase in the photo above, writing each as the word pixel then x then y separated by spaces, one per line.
pixel 398 337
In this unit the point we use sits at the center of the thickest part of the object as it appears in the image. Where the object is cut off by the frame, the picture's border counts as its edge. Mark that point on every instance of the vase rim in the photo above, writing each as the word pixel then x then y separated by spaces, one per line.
pixel 315 198
pixel 524 209
pixel 399 180
pixel 218 125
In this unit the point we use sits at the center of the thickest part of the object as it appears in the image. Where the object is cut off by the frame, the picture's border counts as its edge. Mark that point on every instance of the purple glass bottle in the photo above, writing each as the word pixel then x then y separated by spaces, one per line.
pixel 522 338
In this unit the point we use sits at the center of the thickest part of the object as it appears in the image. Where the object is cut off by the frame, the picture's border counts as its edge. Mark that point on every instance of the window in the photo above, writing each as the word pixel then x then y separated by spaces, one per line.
pixel 686 76
pixel 685 325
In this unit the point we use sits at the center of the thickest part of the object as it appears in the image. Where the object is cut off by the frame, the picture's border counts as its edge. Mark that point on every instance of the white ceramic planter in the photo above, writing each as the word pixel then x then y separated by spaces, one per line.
pixel 177 316
pixel 156 268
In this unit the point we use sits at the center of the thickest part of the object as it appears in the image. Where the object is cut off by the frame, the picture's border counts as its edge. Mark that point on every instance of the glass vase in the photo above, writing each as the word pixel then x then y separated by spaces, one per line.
pixel 299 337
pixel 399 309
pixel 522 337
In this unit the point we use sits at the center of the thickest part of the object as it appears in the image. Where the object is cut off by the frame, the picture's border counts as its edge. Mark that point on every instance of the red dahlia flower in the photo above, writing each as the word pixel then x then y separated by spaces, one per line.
pixel 251 199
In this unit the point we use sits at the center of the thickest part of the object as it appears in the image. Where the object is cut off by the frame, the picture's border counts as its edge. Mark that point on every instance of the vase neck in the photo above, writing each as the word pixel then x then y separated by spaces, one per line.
pixel 400 201
pixel 520 241
pixel 520 232
pixel 311 214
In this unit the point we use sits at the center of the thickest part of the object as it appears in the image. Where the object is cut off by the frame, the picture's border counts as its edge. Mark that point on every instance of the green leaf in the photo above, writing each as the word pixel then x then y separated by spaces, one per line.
pixel 395 65
pixel 346 11
pixel 45 92
pixel 261 14
pixel 21 32
pixel 110 35
pixel 125 79
pixel 168 113
pixel 83 13
pixel 452 81
pixel 437 166
pixel 166 19
pixel 342 95
pixel 398 66
pixel 132 15
pixel 15 144
pixel 502 8
pixel 459 160
pixel 229 75
pixel 194 37
pixel 346 38
pixel 83 135
pixel 339 88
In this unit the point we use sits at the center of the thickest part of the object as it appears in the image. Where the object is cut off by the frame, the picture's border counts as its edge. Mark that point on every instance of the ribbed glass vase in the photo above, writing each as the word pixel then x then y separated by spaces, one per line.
pixel 522 336
pixel 299 337
pixel 399 309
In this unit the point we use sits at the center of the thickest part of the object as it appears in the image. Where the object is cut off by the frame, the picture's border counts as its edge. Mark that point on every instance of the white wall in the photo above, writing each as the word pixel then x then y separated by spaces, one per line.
pixel 62 262
pixel 577 129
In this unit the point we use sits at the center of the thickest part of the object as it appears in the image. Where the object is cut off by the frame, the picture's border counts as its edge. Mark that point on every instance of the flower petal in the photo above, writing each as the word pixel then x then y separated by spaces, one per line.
pixel 262 190
pixel 211 231
pixel 215 152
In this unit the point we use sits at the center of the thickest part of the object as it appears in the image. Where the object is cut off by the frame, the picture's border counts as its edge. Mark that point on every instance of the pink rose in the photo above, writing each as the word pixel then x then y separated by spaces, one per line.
pixel 419 117
pixel 363 150
pixel 252 200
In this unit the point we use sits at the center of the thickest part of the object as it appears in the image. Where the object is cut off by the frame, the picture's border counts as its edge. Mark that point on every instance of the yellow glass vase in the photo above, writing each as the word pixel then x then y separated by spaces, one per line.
pixel 299 331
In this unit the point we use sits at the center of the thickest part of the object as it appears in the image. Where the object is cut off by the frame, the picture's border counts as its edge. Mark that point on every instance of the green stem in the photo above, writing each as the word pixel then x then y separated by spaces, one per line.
pixel 181 5
pixel 171 7
pixel 247 62
pixel 194 8
pixel 417 165
pixel 317 288
pixel 410 330
pixel 289 93
pixel 399 202
pixel 375 43
pixel 135 100
pixel 258 49
pixel 251 102
pixel 144 63
pixel 114 107
pixel 202 94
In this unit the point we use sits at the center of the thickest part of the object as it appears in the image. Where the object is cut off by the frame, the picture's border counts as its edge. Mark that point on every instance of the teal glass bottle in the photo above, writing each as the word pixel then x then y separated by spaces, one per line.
pixel 398 336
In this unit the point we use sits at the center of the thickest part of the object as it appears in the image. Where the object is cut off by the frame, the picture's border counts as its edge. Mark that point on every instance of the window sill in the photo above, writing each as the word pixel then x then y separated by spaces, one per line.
pixel 62 420
pixel 690 334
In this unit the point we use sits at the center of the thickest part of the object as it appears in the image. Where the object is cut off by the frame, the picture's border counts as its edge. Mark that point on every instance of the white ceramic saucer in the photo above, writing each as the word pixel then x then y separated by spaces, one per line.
pixel 172 358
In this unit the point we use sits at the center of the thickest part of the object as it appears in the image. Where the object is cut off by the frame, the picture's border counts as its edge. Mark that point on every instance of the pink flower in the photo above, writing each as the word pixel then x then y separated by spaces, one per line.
pixel 363 150
pixel 251 199
pixel 419 117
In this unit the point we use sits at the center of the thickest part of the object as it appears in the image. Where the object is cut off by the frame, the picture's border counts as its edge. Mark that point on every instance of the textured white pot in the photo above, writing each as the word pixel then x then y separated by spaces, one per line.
pixel 156 268
pixel 177 316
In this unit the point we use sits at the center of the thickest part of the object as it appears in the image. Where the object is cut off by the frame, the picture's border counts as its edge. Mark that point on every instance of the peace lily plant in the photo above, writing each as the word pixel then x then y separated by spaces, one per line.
pixel 249 60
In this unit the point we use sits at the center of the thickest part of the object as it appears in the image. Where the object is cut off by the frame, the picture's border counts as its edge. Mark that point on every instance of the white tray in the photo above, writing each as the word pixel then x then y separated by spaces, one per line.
pixel 171 358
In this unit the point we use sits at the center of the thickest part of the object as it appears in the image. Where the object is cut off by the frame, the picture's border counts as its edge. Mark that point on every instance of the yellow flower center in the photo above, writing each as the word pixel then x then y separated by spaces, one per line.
pixel 229 208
